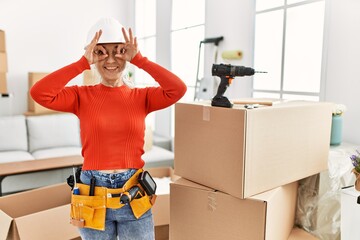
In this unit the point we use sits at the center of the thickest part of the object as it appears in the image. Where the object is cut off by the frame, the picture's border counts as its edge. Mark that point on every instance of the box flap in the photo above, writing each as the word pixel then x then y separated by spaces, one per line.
pixel 260 101
pixel 24 203
pixel 49 224
pixel 281 211
pixel 5 224
pixel 188 183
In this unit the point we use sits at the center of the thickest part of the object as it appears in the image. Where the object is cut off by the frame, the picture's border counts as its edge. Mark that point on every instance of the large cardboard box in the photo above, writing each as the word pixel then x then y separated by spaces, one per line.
pixel 3 83
pixel 3 62
pixel 199 212
pixel 44 213
pixel 33 106
pixel 350 213
pixel 161 209
pixel 2 41
pixel 244 152
pixel 38 214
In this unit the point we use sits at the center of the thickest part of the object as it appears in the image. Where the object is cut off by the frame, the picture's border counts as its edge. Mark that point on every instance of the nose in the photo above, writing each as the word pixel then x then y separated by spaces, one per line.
pixel 110 58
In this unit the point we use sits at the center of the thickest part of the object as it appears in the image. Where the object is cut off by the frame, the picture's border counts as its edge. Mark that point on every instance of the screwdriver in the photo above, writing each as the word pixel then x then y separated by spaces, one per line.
pixel 76 189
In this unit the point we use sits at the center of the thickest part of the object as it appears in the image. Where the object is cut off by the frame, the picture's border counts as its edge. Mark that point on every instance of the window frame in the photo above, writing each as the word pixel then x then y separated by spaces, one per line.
pixel 320 95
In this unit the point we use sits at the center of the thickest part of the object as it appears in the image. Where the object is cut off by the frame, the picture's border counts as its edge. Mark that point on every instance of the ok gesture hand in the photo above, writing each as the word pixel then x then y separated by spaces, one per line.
pixel 129 49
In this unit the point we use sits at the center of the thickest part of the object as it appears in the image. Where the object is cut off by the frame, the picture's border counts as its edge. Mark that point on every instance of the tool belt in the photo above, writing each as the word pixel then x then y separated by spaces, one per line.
pixel 90 211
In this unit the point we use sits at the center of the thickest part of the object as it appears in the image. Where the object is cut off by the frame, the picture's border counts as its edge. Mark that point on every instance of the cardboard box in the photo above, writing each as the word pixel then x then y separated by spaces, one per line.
pixel 3 83
pixel 244 152
pixel 161 209
pixel 2 41
pixel 199 212
pixel 38 214
pixel 44 213
pixel 33 106
pixel 300 234
pixel 162 232
pixel 3 62
pixel 350 213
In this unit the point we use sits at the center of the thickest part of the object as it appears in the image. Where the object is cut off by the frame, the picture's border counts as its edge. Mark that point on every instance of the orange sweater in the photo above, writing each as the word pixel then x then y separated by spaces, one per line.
pixel 112 120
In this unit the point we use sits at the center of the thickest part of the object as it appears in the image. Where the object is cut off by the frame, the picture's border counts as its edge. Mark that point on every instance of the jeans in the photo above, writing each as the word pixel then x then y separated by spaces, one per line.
pixel 119 223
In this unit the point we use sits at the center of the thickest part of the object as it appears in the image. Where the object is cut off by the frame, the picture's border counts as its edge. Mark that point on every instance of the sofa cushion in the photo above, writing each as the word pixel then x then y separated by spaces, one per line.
pixel 13 135
pixel 54 130
pixel 57 152
pixel 15 156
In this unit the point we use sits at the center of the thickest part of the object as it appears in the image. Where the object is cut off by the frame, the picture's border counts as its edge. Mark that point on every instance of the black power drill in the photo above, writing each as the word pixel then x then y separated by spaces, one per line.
pixel 227 73
pixel 133 193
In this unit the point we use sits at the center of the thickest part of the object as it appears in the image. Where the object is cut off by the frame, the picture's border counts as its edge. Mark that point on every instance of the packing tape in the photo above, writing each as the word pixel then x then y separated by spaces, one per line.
pixel 212 201
pixel 206 113
pixel 235 54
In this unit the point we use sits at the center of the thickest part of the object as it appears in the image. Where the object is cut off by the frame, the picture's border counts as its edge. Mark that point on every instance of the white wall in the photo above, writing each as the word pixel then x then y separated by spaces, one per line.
pixel 343 68
pixel 46 35
pixel 235 21
pixel 42 36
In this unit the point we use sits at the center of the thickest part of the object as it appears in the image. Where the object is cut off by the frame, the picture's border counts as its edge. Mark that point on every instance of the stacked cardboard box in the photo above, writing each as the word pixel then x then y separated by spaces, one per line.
pixel 5 97
pixel 33 107
pixel 44 213
pixel 240 167
pixel 3 63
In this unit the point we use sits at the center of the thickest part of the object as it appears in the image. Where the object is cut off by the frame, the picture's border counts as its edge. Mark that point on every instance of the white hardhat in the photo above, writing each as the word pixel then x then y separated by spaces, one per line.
pixel 111 31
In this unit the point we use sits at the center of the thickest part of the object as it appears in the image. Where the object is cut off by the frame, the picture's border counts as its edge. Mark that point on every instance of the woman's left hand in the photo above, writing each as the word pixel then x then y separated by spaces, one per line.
pixel 128 50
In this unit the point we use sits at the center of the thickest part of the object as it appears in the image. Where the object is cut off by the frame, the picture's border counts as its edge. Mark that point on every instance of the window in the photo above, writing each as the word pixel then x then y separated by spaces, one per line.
pixel 145 30
pixel 145 26
pixel 188 29
pixel 288 45
pixel 184 29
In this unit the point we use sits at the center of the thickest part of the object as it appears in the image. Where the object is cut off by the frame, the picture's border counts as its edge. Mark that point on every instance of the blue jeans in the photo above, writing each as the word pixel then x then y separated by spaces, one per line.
pixel 120 222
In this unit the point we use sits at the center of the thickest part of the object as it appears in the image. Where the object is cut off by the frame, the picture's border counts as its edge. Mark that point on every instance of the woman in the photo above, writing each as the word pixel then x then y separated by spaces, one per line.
pixel 112 117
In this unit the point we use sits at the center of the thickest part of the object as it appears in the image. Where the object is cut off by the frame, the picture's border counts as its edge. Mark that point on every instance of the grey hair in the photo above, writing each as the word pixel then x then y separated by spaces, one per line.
pixel 124 76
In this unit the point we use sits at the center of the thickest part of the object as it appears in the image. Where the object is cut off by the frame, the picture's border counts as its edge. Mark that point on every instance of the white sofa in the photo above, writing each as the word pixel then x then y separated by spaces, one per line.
pixel 55 135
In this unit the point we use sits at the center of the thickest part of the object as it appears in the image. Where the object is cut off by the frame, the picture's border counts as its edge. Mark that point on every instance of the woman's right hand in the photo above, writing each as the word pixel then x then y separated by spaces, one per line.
pixel 90 50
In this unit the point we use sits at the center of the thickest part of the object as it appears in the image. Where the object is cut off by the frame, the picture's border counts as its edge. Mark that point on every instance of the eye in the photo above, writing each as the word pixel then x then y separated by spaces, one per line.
pixel 99 52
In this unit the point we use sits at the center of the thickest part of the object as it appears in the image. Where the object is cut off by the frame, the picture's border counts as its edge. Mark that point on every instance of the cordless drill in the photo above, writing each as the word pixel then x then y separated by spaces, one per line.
pixel 227 73
pixel 133 193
